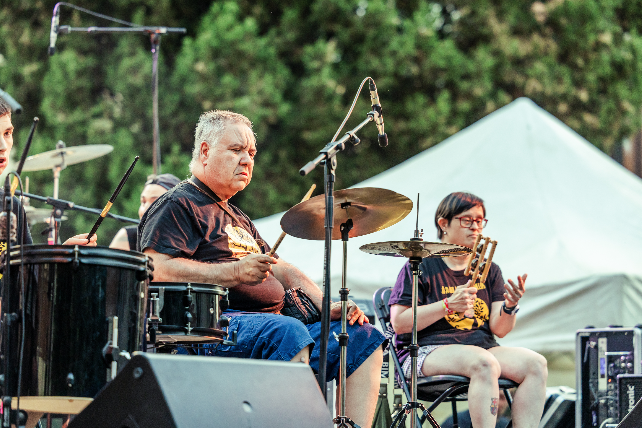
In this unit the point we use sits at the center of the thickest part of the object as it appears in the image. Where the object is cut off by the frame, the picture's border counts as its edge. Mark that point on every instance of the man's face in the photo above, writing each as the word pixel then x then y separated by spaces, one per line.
pixel 6 140
pixel 228 165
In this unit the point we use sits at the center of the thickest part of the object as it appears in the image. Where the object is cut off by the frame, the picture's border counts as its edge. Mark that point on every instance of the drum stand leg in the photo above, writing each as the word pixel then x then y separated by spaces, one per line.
pixel 412 406
pixel 343 421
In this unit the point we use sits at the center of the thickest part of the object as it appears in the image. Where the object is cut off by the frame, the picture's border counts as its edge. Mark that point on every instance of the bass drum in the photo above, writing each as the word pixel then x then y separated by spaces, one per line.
pixel 82 306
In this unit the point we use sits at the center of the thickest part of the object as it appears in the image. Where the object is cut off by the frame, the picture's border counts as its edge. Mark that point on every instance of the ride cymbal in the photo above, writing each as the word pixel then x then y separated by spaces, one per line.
pixel 65 156
pixel 371 209
pixel 414 249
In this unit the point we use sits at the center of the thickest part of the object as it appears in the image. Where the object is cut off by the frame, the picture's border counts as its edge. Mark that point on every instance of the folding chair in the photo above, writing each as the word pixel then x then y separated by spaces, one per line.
pixel 434 389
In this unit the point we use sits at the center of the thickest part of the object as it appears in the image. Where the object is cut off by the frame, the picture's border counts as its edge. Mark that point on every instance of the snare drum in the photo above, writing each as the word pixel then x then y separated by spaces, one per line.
pixel 189 312
pixel 77 299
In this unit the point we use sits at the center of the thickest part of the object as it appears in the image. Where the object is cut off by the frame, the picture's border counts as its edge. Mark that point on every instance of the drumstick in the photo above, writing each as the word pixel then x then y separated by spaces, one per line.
pixel 278 241
pixel 111 200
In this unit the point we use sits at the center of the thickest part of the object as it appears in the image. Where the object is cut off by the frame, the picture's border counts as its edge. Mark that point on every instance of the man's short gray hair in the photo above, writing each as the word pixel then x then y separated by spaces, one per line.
pixel 210 128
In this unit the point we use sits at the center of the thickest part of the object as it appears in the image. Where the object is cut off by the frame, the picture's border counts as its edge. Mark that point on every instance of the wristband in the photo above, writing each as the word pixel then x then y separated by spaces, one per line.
pixel 444 303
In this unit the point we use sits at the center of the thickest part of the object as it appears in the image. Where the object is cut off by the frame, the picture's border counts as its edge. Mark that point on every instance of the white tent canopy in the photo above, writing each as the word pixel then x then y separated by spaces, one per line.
pixel 561 210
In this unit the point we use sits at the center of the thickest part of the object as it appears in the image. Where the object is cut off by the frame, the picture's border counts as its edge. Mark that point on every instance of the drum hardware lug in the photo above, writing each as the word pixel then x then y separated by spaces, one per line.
pixel 70 380
pixel 76 262
pixel 154 320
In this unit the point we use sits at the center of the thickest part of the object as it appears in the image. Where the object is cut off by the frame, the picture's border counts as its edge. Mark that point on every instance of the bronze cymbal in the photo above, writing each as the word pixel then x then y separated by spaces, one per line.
pixel 65 156
pixel 371 209
pixel 414 249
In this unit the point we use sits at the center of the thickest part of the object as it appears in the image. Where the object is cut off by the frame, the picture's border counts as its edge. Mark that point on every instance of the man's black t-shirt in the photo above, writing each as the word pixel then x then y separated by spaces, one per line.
pixel 186 222
pixel 436 282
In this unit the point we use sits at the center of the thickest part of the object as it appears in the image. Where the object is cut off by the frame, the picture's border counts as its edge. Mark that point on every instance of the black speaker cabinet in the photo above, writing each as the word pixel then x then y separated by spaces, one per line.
pixel 629 394
pixel 601 356
pixel 559 408
pixel 163 391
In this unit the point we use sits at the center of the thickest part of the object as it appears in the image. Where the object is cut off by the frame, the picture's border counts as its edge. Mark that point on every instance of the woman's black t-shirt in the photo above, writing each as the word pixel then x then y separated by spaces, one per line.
pixel 186 222
pixel 436 282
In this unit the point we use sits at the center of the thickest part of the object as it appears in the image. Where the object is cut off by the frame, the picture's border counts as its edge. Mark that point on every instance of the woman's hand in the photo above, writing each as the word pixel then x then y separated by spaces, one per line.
pixel 463 298
pixel 514 292
pixel 82 240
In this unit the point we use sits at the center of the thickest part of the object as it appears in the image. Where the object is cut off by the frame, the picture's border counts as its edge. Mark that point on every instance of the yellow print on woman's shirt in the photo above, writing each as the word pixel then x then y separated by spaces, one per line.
pixel 240 241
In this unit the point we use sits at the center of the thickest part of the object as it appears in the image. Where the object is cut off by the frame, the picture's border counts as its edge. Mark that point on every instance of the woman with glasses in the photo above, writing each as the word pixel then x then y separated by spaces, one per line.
pixel 453 343
pixel 156 185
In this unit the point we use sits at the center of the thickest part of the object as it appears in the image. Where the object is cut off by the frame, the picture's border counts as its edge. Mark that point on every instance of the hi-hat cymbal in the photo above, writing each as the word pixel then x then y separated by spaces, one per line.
pixel 39 215
pixel 65 156
pixel 370 208
pixel 414 249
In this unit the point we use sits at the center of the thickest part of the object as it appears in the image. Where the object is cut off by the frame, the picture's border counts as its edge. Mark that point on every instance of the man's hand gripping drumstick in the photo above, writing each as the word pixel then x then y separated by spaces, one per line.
pixel 278 241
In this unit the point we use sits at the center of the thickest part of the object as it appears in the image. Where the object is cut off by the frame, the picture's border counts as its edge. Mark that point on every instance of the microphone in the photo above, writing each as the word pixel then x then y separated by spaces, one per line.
pixel 378 117
pixel 55 20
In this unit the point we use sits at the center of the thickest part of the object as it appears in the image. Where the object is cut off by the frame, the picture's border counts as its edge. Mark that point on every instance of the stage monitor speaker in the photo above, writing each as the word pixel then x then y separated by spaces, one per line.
pixel 559 408
pixel 633 419
pixel 175 391
pixel 629 393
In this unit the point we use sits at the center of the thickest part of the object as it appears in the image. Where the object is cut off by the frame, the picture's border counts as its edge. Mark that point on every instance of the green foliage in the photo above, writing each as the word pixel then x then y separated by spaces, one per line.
pixel 293 68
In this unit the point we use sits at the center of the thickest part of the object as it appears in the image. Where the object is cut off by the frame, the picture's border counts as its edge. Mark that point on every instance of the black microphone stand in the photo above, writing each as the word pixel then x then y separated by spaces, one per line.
pixel 327 156
pixel 155 34
pixel 59 207
pixel 10 320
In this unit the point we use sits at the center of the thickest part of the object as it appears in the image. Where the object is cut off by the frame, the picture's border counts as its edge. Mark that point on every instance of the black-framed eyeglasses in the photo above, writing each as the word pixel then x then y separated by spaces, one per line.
pixel 468 221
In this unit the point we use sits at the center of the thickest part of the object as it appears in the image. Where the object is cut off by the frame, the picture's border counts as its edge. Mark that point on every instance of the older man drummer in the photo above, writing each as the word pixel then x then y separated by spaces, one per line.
pixel 194 234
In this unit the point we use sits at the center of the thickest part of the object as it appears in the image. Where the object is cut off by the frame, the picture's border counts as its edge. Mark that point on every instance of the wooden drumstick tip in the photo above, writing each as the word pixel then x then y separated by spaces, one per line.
pixel 488 261
pixel 472 255
pixel 482 253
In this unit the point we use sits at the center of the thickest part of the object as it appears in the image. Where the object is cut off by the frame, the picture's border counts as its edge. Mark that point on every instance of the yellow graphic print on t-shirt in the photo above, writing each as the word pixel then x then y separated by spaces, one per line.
pixel 240 241
pixel 3 246
pixel 460 322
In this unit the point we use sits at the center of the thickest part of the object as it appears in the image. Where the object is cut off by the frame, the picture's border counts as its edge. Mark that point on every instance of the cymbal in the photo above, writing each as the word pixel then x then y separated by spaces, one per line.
pixel 414 249
pixel 371 209
pixel 39 215
pixel 65 156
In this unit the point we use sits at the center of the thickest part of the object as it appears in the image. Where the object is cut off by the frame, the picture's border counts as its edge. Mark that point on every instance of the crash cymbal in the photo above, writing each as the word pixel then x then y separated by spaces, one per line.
pixel 39 215
pixel 370 208
pixel 65 156
pixel 414 249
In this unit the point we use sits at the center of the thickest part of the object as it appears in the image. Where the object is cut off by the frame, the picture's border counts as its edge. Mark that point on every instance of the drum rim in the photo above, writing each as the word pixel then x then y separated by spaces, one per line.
pixel 43 253
pixel 182 286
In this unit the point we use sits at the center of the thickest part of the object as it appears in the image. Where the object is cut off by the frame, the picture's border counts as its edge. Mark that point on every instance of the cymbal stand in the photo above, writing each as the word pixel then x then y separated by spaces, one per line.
pixel 56 214
pixel 412 406
pixel 343 421
pixel 328 158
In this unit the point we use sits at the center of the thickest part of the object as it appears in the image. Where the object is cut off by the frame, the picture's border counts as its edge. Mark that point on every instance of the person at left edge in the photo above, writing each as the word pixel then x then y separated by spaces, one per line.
pixel 6 144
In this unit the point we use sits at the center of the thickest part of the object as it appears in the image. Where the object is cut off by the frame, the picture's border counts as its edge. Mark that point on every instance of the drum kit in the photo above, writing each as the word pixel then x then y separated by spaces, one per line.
pixel 85 309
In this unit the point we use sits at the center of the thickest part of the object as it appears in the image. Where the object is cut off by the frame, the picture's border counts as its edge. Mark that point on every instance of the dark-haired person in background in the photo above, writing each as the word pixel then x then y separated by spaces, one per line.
pixel 451 343
pixel 156 185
